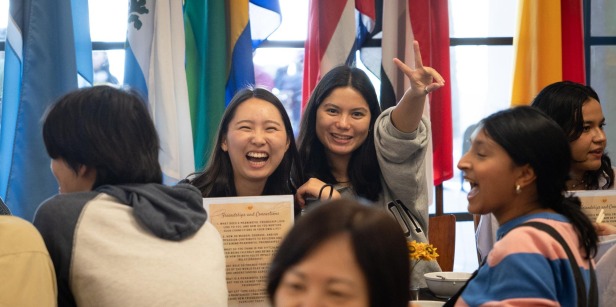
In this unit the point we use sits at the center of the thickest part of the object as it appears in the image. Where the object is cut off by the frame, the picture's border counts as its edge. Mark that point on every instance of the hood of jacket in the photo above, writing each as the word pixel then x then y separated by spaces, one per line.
pixel 170 213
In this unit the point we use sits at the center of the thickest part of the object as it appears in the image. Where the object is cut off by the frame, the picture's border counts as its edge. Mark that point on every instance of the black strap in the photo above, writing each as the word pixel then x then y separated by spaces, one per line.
pixel 580 285
pixel 579 280
pixel 331 191
pixel 404 216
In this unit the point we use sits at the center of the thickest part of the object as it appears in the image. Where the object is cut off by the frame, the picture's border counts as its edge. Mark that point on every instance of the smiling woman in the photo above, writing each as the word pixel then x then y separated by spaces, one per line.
pixel 356 257
pixel 347 142
pixel 255 152
pixel 517 165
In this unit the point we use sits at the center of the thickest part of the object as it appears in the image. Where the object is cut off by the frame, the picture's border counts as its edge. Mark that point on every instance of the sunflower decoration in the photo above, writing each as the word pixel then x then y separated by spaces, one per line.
pixel 420 251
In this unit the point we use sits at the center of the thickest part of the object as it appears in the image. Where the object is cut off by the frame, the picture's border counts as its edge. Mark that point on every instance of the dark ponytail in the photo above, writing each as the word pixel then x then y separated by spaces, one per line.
pixel 531 137
pixel 571 207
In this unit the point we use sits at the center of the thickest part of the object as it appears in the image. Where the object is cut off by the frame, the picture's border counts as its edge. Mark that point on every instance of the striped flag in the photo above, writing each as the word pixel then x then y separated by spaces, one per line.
pixel 430 27
pixel 44 56
pixel 154 66
pixel 336 30
pixel 401 22
pixel 549 46
pixel 220 40
pixel 397 42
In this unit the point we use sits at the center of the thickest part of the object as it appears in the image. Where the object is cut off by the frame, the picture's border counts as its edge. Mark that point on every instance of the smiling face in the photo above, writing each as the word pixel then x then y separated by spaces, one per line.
pixel 329 276
pixel 493 176
pixel 256 142
pixel 588 149
pixel 343 122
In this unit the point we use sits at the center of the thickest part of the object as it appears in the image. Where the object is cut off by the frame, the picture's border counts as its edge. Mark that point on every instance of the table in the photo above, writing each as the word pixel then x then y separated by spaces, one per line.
pixel 427 295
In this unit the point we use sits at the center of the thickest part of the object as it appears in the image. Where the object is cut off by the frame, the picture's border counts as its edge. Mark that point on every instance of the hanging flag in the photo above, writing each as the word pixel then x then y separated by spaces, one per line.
pixel 154 66
pixel 336 30
pixel 430 23
pixel 400 22
pixel 44 55
pixel 548 45
pixel 220 40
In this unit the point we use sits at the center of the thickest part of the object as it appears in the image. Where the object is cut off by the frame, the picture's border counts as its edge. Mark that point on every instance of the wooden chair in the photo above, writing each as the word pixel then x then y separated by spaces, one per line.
pixel 442 235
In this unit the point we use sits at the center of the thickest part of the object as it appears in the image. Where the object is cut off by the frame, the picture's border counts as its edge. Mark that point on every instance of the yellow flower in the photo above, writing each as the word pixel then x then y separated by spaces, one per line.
pixel 421 251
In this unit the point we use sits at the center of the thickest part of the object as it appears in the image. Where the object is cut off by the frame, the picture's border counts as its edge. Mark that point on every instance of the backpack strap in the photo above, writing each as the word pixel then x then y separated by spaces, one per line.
pixel 580 285
pixel 577 273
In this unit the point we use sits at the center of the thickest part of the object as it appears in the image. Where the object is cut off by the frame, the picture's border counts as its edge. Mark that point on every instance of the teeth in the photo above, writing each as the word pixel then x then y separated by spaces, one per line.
pixel 257 155
pixel 338 136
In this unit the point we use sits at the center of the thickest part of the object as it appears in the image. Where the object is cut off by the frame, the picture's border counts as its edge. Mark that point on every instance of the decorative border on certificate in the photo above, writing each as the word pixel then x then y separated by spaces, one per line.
pixel 594 201
pixel 251 229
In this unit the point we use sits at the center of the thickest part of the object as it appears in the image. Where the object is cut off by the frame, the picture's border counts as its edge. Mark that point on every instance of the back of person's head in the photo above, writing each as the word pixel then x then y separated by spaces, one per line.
pixel 530 137
pixel 217 178
pixel 363 162
pixel 377 241
pixel 563 102
pixel 107 129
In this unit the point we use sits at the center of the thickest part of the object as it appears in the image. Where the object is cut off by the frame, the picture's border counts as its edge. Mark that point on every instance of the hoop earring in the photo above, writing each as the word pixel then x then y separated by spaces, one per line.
pixel 518 189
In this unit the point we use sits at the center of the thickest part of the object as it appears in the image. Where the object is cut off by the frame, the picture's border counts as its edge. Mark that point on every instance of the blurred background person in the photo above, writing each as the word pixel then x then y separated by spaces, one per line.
pixel 28 276
pixel 341 253
pixel 100 64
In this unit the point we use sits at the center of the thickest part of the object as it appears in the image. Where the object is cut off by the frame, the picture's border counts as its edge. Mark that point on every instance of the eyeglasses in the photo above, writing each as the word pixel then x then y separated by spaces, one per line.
pixel 404 216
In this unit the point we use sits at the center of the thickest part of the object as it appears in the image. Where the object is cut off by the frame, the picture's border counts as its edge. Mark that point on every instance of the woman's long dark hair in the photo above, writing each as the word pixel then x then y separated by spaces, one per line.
pixel 531 137
pixel 563 101
pixel 217 179
pixel 363 166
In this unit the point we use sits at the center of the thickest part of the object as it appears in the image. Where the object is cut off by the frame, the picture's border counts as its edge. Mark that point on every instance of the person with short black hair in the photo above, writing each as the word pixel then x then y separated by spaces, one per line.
pixel 116 235
pixel 341 254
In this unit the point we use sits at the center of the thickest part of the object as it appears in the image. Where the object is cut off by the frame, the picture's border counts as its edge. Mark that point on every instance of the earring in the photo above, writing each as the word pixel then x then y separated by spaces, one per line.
pixel 518 189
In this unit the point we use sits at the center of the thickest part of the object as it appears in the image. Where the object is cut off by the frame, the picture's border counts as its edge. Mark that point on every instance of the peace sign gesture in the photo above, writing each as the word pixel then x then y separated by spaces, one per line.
pixel 423 79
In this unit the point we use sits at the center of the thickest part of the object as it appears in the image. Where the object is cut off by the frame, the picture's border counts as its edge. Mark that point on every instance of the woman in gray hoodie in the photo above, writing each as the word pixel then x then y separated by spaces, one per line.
pixel 346 141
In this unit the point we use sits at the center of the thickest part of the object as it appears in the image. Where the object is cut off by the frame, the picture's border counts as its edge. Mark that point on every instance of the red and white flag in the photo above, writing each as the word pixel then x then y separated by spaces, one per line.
pixel 338 28
pixel 333 37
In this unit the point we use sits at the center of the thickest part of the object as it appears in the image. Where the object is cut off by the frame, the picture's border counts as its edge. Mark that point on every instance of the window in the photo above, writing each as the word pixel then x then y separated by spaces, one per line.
pixel 108 22
pixel 601 58
pixel 481 70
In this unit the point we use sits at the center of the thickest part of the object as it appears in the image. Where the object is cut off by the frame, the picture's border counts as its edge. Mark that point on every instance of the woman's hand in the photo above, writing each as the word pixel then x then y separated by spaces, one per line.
pixel 604 229
pixel 423 79
pixel 407 114
pixel 311 188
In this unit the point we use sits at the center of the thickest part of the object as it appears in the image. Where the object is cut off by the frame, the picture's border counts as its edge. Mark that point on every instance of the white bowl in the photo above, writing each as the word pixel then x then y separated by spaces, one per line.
pixel 446 284
pixel 427 303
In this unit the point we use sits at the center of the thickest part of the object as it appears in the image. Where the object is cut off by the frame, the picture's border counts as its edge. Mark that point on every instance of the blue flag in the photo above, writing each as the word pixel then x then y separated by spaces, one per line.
pixel 41 65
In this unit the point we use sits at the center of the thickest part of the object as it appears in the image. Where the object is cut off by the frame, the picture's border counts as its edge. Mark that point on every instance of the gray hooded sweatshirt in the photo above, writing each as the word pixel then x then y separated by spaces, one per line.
pixel 134 245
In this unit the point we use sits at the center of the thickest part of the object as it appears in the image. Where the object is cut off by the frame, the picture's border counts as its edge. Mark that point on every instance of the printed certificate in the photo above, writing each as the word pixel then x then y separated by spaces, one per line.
pixel 251 229
pixel 594 201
